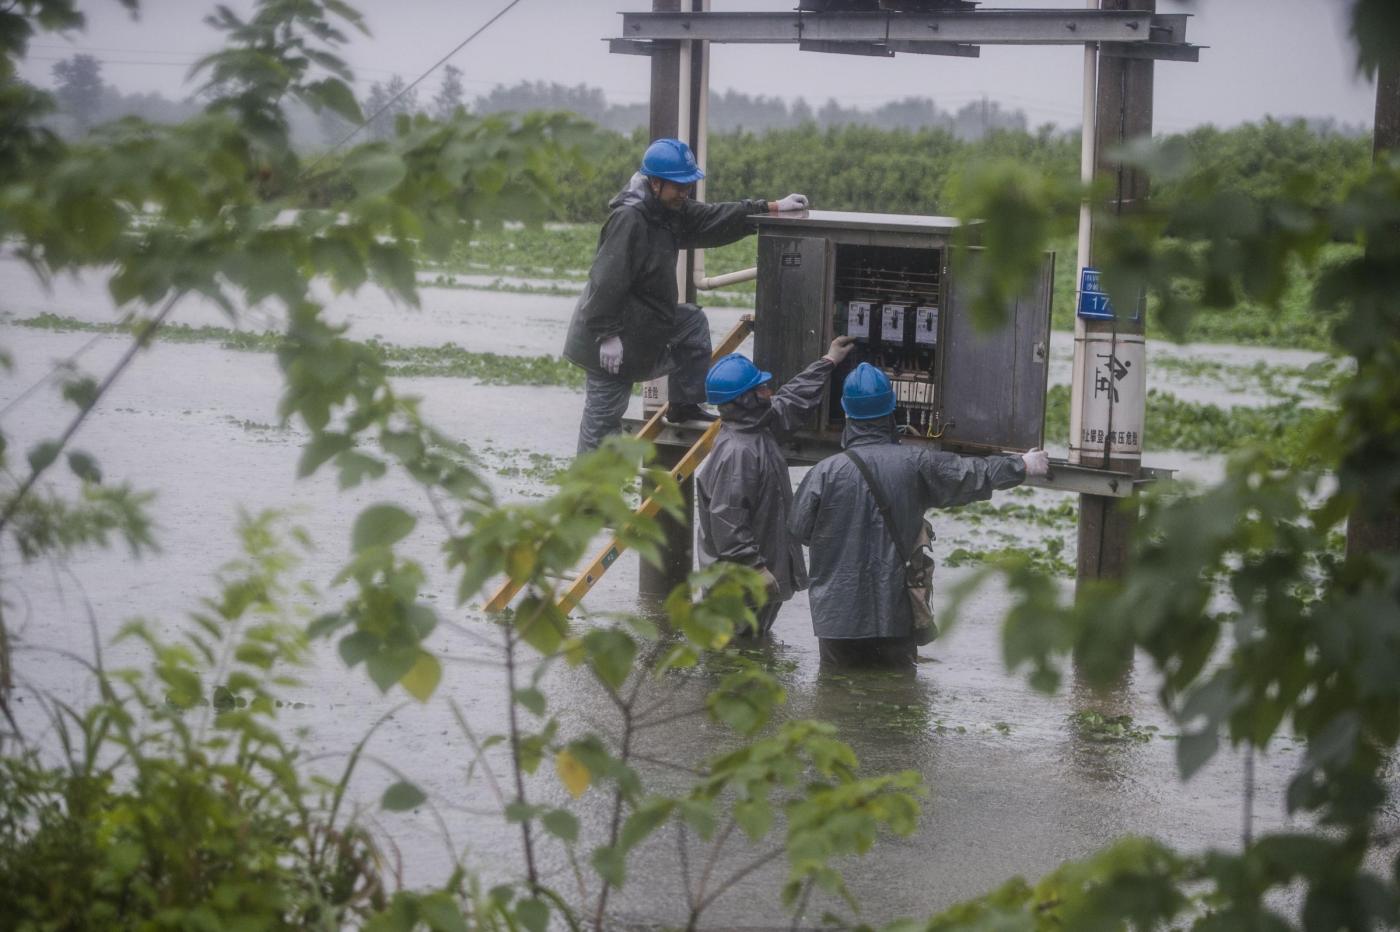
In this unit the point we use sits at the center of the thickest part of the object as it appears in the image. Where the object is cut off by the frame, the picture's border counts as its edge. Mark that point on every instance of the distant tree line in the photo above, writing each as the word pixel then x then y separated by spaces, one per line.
pixel 918 171
pixel 904 157
pixel 86 100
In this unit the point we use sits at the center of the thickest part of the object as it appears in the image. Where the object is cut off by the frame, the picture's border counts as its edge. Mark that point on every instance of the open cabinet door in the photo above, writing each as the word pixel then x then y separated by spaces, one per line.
pixel 993 385
pixel 793 274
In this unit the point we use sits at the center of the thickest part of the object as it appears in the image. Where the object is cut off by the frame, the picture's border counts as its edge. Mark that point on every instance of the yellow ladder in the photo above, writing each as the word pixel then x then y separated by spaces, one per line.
pixel 681 471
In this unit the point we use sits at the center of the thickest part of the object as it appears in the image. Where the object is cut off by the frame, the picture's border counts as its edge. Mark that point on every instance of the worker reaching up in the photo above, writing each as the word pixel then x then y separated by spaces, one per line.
pixel 627 326
pixel 860 513
pixel 745 495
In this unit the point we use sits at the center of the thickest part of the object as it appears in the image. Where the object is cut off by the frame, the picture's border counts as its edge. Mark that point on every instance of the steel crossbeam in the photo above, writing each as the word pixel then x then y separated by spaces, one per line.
pixel 983 27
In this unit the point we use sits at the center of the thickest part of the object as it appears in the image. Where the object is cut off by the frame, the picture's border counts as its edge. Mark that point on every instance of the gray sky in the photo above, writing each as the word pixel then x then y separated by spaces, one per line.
pixel 1266 57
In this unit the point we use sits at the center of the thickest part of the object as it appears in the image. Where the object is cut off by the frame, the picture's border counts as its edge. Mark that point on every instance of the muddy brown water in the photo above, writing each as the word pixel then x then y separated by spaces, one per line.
pixel 1014 787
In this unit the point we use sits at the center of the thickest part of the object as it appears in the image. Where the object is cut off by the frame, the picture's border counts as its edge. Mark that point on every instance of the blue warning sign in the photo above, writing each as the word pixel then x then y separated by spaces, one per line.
pixel 1093 301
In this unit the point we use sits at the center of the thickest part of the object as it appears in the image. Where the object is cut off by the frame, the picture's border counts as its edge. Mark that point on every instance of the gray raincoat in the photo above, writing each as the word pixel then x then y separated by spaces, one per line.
pixel 857 575
pixel 744 490
pixel 631 290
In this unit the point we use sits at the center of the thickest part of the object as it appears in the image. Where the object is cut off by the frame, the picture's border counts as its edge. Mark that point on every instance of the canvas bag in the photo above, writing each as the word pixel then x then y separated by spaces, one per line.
pixel 918 566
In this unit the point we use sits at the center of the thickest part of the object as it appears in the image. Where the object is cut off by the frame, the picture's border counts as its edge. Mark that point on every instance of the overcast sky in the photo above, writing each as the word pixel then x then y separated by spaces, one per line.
pixel 1265 57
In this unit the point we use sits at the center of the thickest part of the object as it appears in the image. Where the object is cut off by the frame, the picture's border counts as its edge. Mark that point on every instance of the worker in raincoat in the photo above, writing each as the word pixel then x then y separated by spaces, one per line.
pixel 860 609
pixel 744 492
pixel 627 326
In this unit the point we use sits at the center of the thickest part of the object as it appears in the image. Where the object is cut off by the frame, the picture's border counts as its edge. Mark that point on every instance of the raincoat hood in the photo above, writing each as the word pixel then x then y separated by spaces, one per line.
pixel 637 192
pixel 863 433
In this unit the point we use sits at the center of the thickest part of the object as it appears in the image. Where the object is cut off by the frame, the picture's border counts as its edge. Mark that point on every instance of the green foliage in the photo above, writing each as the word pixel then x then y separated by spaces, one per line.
pixel 165 811
pixel 50 524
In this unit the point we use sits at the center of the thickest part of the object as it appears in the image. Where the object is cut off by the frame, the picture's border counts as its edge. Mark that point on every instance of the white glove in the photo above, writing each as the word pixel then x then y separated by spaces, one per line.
pixel 770 582
pixel 610 354
pixel 1037 462
pixel 840 348
pixel 793 202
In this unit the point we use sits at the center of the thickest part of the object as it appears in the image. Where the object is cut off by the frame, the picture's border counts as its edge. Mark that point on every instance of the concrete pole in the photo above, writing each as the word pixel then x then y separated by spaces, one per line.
pixel 1124 112
pixel 668 83
pixel 1084 255
pixel 1377 530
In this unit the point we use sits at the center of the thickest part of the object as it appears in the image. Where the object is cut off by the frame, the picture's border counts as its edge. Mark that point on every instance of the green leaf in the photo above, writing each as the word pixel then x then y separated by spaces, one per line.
pixel 321 448
pixel 402 796
pixel 531 699
pixel 611 864
pixel 84 467
pixel 644 820
pixel 541 624
pixel 337 96
pixel 610 655
pixel 82 392
pixel 356 647
pixel 356 467
pixel 562 824
pixel 374 171
pixel 42 455
pixel 422 680
pixel 518 812
pixel 533 914
pixel 754 816
pixel 381 526
pixel 388 667
pixel 441 912
pixel 1193 750
pixel 394 270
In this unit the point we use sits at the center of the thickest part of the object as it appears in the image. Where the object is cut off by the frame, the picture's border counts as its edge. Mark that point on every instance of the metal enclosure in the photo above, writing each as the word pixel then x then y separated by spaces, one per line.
pixel 888 280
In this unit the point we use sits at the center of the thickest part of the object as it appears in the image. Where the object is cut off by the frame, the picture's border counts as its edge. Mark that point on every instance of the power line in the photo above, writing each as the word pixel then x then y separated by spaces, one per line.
pixel 416 81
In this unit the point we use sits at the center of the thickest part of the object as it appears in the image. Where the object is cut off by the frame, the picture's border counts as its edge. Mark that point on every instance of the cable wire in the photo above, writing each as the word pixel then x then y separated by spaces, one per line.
pixel 416 81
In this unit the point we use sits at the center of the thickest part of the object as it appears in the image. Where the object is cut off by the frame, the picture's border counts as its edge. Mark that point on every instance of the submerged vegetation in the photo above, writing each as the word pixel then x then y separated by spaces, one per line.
pixel 446 361
pixel 1172 424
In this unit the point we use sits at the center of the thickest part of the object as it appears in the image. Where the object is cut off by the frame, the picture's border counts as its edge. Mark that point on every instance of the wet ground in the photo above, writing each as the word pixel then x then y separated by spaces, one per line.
pixel 1015 785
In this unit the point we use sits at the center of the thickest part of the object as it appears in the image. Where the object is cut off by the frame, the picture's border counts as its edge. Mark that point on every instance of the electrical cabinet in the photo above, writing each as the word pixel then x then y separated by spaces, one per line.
pixel 888 281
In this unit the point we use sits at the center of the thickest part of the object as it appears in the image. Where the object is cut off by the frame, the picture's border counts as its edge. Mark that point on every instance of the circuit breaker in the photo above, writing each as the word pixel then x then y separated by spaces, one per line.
pixel 888 281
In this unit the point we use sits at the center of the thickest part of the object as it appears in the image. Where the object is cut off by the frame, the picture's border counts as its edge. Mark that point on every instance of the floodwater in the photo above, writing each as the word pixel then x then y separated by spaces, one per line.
pixel 1013 786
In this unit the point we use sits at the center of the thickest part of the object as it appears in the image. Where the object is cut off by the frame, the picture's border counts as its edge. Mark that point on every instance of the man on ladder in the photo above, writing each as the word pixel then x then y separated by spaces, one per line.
pixel 628 326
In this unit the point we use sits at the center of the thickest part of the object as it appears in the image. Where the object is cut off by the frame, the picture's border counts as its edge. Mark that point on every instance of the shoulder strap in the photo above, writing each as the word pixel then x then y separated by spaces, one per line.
pixel 880 503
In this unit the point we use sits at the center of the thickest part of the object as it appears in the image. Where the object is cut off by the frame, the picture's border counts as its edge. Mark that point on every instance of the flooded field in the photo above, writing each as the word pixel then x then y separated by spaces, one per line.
pixel 1017 782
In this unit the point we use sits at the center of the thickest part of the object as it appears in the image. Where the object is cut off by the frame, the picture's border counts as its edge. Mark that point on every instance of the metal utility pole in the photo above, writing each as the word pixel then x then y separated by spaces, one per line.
pixel 676 91
pixel 1128 36
pixel 1371 529
pixel 1113 351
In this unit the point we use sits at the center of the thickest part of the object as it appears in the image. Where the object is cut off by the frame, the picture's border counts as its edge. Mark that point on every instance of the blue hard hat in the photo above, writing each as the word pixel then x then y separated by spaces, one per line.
pixel 867 394
pixel 671 159
pixel 731 377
